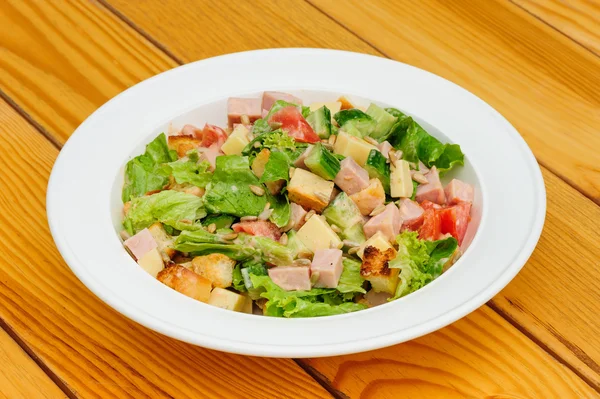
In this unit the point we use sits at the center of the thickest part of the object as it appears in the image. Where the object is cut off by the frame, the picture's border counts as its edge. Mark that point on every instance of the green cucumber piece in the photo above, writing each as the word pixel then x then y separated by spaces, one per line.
pixel 320 121
pixel 377 168
pixel 322 162
pixel 384 121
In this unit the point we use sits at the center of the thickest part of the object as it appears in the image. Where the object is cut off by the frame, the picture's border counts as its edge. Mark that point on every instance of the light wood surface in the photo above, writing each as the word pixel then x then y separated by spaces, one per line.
pixel 480 356
pixel 94 350
pixel 61 60
pixel 20 377
pixel 578 19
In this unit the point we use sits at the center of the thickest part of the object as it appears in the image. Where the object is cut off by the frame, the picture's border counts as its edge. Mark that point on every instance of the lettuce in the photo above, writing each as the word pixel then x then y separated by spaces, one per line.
pixel 189 171
pixel 420 261
pixel 229 191
pixel 201 242
pixel 272 251
pixel 144 173
pixel 277 168
pixel 351 280
pixel 172 208
pixel 238 279
pixel 281 209
pixel 283 303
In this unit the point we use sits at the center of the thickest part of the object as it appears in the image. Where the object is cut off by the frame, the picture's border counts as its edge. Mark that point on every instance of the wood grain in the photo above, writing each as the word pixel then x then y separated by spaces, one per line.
pixel 94 350
pixel 545 84
pixel 61 60
pixel 480 356
pixel 578 19
pixel 20 377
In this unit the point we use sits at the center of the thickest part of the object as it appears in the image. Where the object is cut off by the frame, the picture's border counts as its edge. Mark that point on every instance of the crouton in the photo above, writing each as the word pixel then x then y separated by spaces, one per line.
pixel 163 240
pixel 186 282
pixel 375 269
pixel 309 190
pixel 183 143
pixel 218 268
pixel 345 103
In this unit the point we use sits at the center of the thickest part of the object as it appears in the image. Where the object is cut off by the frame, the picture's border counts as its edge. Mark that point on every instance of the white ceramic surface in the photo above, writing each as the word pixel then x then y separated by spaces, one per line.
pixel 84 208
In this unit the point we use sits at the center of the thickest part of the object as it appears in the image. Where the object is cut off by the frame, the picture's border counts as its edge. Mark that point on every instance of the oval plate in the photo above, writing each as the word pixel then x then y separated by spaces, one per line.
pixel 81 200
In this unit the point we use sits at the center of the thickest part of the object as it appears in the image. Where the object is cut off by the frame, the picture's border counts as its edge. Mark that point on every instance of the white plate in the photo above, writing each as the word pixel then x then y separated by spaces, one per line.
pixel 84 209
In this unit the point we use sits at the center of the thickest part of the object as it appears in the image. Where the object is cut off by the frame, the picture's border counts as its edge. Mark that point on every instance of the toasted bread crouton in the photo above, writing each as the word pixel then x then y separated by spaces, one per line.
pixel 346 104
pixel 164 241
pixel 218 268
pixel 183 143
pixel 375 269
pixel 186 282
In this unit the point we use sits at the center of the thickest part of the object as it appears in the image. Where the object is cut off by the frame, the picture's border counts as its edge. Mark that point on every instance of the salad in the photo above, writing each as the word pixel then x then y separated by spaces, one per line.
pixel 294 210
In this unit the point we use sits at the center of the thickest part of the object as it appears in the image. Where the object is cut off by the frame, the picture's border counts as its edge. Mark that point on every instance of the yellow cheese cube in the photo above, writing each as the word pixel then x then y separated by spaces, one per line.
pixel 400 181
pixel 351 146
pixel 317 234
pixel 333 106
pixel 236 141
pixel 226 299
pixel 152 262
pixel 310 190
pixel 386 283
pixel 378 240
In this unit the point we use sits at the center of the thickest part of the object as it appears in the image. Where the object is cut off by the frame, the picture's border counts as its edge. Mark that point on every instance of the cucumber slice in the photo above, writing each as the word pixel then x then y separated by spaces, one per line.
pixel 320 121
pixel 354 233
pixel 384 121
pixel 378 168
pixel 343 212
pixel 355 122
pixel 322 162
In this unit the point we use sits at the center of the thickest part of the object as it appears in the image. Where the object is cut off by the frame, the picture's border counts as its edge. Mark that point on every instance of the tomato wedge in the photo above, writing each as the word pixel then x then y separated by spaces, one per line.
pixel 261 228
pixel 212 134
pixel 455 220
pixel 295 125
pixel 430 229
pixel 426 204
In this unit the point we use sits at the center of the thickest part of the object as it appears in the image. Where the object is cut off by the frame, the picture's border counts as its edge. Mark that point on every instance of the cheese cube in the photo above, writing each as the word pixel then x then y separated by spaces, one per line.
pixel 333 106
pixel 351 146
pixel 309 190
pixel 378 240
pixel 237 140
pixel 400 181
pixel 152 262
pixel 226 299
pixel 317 234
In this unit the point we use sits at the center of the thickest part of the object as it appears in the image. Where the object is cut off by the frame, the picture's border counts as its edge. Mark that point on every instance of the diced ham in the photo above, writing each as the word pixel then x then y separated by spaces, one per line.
pixel 140 244
pixel 328 264
pixel 433 190
pixel 369 198
pixel 262 228
pixel 385 148
pixel 269 98
pixel 411 214
pixel 297 216
pixel 192 130
pixel 388 222
pixel 351 178
pixel 457 191
pixel 291 278
pixel 299 162
pixel 236 107
pixel 210 155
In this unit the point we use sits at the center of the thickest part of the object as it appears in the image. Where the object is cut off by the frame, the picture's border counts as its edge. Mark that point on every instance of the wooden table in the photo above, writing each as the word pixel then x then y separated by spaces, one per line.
pixel 536 61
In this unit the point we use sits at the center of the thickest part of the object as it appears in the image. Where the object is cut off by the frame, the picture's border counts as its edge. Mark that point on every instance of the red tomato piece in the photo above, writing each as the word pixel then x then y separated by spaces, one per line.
pixel 426 204
pixel 455 220
pixel 212 134
pixel 261 228
pixel 430 229
pixel 294 123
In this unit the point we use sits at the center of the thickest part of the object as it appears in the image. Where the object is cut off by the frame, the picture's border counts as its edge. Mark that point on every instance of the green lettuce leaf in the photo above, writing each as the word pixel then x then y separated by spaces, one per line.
pixel 201 242
pixel 238 279
pixel 229 191
pixel 172 208
pixel 272 251
pixel 350 279
pixel 281 209
pixel 277 168
pixel 144 172
pixel 189 171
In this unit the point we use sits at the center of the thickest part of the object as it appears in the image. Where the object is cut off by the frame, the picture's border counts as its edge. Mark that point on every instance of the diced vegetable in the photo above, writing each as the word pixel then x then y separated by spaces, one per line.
pixel 321 162
pixel 343 212
pixel 354 234
pixel 295 244
pixel 384 121
pixel 378 168
pixel 220 221
pixel 320 121
pixel 333 106
pixel 355 119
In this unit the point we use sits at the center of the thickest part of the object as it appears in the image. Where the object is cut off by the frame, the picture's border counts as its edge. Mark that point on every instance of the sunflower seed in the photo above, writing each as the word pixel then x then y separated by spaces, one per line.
pixel 378 209
pixel 419 178
pixel 250 136
pixel 186 221
pixel 283 240
pixel 412 165
pixel 309 215
pixel 370 140
pixel 336 245
pixel 328 146
pixel 332 139
pixel 353 250
pixel 257 190
pixel 266 214
pixel 257 145
pixel 392 157
pixel 399 154
pixel 335 228
pixel 350 244
pixel 301 262
pixel 304 254
pixel 275 125
pixel 211 228
pixel 248 218
pixel 230 236
pixel 245 119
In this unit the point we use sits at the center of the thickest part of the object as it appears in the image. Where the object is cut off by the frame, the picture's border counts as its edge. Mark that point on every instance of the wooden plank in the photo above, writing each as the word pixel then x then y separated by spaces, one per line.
pixel 545 84
pixel 94 350
pixel 21 378
pixel 61 60
pixel 480 356
pixel 578 19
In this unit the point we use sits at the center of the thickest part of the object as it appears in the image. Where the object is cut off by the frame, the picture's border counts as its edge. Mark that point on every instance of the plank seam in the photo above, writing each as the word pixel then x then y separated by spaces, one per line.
pixel 31 353
pixel 321 379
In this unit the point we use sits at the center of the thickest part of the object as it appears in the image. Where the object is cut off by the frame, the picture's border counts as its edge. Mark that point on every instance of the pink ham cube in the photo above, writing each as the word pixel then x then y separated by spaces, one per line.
pixel 385 148
pixel 411 214
pixel 297 215
pixel 269 98
pixel 351 178
pixel 388 222
pixel 291 278
pixel 140 244
pixel 457 191
pixel 433 190
pixel 210 155
pixel 236 107
pixel 328 264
